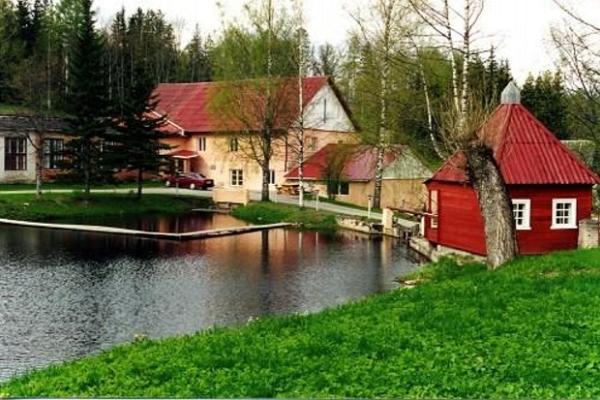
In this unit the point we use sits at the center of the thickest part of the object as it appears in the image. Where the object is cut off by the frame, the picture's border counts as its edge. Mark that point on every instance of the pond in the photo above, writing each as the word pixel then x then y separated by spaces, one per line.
pixel 65 295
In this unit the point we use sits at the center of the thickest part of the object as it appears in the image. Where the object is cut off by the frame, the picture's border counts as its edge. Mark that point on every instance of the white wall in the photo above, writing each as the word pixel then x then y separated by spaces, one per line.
pixel 337 120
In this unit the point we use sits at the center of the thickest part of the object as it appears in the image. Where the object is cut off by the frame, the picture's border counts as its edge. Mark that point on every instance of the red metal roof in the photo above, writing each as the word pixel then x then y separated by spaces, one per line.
pixel 191 105
pixel 526 151
pixel 359 162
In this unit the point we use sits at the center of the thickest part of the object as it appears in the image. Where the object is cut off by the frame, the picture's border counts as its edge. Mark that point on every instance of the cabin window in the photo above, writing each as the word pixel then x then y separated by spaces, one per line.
pixel 236 177
pixel 15 154
pixel 434 209
pixel 522 213
pixel 272 176
pixel 201 144
pixel 564 214
pixel 53 153
pixel 234 145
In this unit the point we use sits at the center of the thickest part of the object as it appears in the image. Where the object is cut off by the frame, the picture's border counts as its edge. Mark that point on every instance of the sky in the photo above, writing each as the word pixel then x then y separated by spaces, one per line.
pixel 520 29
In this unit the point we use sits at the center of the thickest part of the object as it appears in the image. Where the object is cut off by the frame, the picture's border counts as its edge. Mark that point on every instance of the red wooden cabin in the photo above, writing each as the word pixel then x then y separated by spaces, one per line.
pixel 550 187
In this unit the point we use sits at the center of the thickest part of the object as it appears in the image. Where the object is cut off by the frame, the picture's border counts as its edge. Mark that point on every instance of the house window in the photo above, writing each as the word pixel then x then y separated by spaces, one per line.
pixel 201 144
pixel 564 214
pixel 233 145
pixel 324 110
pixel 15 154
pixel 272 176
pixel 522 213
pixel 434 195
pixel 343 188
pixel 236 177
pixel 53 153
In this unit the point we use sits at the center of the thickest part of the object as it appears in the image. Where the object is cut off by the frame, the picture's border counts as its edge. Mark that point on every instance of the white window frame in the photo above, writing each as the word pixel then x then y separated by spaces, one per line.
pixel 526 225
pixel 202 143
pixel 236 177
pixel 572 224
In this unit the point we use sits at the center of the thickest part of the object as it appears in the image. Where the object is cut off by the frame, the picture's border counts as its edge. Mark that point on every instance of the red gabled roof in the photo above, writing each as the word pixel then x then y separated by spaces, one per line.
pixel 526 151
pixel 359 162
pixel 191 105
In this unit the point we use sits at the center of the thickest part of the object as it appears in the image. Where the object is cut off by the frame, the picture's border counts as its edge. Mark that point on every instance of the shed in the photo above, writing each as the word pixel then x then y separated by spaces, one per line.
pixel 353 167
pixel 550 187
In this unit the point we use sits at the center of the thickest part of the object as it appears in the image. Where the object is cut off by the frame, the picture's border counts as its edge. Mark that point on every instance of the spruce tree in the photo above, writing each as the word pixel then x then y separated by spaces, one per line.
pixel 87 99
pixel 137 145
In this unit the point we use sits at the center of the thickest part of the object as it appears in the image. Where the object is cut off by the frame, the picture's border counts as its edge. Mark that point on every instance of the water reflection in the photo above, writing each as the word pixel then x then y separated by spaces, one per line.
pixel 65 294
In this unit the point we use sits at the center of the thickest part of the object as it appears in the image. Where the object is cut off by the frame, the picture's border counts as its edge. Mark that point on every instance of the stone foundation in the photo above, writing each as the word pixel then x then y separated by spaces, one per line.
pixel 589 237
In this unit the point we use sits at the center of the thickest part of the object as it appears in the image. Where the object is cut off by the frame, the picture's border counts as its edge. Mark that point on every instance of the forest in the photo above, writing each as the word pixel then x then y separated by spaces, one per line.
pixel 37 42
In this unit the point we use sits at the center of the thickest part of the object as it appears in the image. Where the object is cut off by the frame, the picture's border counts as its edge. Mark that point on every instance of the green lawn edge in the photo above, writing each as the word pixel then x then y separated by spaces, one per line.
pixel 270 213
pixel 530 329
pixel 76 206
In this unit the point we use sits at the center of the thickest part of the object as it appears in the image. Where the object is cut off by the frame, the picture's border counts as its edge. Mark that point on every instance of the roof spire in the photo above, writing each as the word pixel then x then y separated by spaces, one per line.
pixel 511 94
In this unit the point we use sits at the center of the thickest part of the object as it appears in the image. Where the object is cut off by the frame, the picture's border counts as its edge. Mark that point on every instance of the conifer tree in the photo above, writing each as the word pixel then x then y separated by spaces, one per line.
pixel 87 99
pixel 137 145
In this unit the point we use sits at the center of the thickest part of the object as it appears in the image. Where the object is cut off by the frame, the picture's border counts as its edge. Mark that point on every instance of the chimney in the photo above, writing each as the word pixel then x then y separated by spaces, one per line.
pixel 511 94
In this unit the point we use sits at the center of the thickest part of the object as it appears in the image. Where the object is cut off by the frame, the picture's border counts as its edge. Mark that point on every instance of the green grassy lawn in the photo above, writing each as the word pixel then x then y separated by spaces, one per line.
pixel 270 213
pixel 74 206
pixel 529 330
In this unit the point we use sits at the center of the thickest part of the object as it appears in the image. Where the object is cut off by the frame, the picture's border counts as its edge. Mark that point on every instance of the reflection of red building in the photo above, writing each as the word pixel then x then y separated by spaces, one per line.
pixel 550 187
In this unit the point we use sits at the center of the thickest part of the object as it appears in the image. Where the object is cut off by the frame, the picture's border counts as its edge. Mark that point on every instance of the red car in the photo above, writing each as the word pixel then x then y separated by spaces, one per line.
pixel 191 180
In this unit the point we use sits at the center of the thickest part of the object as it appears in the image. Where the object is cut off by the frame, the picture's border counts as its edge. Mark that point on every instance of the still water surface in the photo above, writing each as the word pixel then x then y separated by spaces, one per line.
pixel 64 295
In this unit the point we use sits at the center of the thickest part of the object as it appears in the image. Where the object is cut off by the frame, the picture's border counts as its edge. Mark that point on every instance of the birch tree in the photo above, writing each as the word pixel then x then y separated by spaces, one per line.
pixel 577 41
pixel 383 27
pixel 457 29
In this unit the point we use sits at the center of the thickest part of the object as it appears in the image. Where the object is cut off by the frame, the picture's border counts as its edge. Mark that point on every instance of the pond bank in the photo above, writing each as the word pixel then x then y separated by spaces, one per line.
pixel 268 213
pixel 74 206
pixel 525 330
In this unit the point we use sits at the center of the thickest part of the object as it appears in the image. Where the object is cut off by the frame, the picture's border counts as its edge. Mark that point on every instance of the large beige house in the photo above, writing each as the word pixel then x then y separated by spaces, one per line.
pixel 207 141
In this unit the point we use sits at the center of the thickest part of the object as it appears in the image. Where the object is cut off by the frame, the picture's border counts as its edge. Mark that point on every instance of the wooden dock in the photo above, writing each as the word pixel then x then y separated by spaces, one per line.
pixel 147 234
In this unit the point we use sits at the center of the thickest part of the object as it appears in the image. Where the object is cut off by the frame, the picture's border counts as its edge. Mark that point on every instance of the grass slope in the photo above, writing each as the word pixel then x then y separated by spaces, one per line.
pixel 73 206
pixel 529 330
pixel 270 213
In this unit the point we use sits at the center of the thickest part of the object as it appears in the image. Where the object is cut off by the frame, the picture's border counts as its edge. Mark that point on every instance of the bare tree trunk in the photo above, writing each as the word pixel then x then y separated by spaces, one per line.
pixel 382 139
pixel 140 183
pixel 301 149
pixel 39 169
pixel 434 142
pixel 495 205
pixel 266 174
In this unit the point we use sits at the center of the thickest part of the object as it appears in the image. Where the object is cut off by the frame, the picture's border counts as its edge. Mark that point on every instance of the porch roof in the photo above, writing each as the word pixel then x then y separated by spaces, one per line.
pixel 184 154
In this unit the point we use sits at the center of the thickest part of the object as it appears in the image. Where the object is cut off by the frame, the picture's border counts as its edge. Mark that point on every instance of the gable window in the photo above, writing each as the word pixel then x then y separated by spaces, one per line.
pixel 434 208
pixel 272 176
pixel 564 214
pixel 236 177
pixel 312 143
pixel 522 213
pixel 202 143
pixel 324 110
pixel 15 154
pixel 234 145
pixel 53 153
